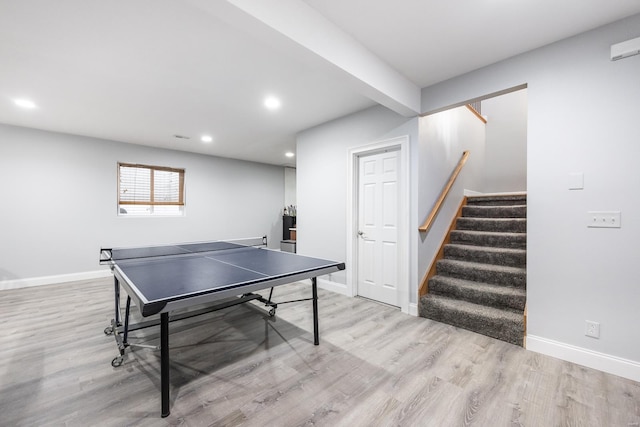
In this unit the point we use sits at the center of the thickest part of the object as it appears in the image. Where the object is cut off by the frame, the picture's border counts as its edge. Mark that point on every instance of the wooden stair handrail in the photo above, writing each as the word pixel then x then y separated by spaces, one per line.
pixel 475 112
pixel 436 208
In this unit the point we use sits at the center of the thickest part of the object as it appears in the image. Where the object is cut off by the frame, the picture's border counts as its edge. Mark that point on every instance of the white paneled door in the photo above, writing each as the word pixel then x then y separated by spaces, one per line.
pixel 378 214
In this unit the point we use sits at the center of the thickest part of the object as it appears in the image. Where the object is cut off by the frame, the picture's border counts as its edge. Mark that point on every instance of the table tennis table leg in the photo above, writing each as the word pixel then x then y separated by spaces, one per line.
pixel 127 311
pixel 164 363
pixel 314 289
pixel 116 287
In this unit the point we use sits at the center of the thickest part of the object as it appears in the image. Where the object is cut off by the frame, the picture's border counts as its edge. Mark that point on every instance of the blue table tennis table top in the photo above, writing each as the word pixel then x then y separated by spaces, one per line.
pixel 161 275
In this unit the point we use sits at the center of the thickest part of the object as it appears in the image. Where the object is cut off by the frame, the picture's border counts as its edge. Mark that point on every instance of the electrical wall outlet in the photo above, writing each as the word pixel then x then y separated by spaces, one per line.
pixel 592 329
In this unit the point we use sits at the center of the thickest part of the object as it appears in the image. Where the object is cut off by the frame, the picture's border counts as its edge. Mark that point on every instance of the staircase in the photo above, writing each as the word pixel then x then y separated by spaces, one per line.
pixel 480 284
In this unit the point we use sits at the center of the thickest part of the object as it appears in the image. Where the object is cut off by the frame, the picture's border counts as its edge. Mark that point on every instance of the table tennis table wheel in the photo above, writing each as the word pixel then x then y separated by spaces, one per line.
pixel 272 312
pixel 108 330
pixel 117 361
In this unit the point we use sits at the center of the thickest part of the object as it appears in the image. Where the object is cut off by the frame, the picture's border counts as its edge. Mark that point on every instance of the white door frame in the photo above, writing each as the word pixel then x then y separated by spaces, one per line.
pixel 401 143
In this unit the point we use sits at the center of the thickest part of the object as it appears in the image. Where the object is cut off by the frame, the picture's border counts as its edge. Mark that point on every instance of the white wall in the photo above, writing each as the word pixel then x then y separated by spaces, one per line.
pixel 290 186
pixel 582 117
pixel 444 137
pixel 59 202
pixel 506 148
pixel 322 178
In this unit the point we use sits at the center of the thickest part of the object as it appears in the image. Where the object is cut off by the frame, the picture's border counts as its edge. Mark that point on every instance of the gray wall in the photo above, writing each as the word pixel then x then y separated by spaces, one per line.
pixel 289 186
pixel 506 148
pixel 582 117
pixel 322 178
pixel 444 136
pixel 59 201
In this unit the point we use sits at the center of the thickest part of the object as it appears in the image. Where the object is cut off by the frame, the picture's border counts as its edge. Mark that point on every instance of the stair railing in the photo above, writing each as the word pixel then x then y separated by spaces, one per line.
pixel 432 270
pixel 475 109
pixel 445 191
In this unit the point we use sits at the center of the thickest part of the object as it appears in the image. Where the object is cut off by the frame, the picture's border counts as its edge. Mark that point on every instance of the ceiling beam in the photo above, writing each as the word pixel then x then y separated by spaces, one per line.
pixel 309 30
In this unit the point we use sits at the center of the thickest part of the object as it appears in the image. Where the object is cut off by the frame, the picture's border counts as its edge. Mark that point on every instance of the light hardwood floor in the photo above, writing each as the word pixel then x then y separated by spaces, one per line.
pixel 374 367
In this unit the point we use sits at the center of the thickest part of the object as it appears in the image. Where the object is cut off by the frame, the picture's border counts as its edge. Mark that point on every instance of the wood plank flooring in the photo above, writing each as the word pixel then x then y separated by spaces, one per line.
pixel 374 367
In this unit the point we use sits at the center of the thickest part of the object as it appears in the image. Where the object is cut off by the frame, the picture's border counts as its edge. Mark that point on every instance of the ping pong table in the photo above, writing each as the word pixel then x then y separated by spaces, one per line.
pixel 217 275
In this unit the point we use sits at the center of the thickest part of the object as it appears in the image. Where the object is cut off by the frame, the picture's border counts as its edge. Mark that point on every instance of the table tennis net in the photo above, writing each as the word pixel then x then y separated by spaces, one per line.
pixel 119 254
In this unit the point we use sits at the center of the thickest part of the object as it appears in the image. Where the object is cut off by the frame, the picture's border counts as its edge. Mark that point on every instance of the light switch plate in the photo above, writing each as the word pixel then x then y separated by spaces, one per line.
pixel 603 219
pixel 576 181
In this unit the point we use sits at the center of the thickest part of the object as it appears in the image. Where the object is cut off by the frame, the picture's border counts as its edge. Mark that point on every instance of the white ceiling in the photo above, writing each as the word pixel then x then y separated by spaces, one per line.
pixel 142 71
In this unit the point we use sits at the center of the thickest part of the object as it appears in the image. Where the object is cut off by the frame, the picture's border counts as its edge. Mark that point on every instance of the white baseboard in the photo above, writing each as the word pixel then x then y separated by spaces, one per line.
pixel 589 358
pixel 341 289
pixel 336 287
pixel 52 280
pixel 413 309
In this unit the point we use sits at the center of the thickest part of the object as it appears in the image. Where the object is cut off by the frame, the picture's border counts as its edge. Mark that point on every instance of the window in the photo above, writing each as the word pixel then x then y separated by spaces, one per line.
pixel 150 190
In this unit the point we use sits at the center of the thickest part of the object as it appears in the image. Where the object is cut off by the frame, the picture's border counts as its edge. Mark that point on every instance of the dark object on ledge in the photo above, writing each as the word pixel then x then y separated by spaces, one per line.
pixel 287 223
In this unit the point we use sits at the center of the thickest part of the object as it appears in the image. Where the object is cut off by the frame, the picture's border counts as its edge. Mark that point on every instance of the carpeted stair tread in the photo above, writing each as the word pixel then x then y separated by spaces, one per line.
pixel 487 255
pixel 483 211
pixel 497 200
pixel 478 292
pixel 489 238
pixel 505 325
pixel 487 273
pixel 504 225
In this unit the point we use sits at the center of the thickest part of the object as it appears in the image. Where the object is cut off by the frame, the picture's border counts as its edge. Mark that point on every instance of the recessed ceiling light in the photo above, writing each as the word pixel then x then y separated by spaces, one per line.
pixel 272 103
pixel 24 103
pixel 206 138
pixel 289 154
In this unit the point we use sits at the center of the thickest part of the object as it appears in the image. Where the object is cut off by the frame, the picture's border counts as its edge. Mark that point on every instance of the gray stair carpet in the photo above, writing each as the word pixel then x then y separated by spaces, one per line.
pixel 480 284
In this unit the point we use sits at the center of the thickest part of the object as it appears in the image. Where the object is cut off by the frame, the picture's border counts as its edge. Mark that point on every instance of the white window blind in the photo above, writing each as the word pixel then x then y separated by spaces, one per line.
pixel 150 190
